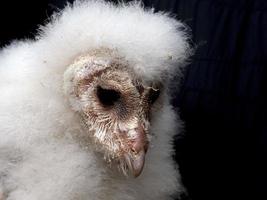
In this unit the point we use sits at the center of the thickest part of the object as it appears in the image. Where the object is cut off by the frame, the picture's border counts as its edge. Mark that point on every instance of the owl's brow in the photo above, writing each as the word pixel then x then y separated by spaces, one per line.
pixel 90 78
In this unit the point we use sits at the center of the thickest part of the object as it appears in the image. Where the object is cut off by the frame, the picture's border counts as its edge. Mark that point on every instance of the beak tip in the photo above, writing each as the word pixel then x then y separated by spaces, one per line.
pixel 135 163
pixel 136 174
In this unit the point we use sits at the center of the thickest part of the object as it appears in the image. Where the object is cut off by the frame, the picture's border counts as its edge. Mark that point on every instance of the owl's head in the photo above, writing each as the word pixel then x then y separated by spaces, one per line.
pixel 115 106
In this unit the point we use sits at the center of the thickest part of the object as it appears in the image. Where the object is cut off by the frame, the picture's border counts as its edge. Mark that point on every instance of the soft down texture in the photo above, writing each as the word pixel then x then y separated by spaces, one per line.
pixel 40 157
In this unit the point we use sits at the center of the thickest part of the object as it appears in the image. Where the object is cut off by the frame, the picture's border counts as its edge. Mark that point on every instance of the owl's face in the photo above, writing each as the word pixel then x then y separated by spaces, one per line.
pixel 115 107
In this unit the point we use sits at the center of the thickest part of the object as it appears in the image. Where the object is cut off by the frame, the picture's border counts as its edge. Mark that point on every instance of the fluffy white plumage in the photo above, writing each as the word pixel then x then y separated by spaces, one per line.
pixel 42 155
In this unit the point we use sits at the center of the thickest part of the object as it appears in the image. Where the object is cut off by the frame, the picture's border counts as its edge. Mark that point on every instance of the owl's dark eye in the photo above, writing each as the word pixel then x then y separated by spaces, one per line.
pixel 153 95
pixel 107 97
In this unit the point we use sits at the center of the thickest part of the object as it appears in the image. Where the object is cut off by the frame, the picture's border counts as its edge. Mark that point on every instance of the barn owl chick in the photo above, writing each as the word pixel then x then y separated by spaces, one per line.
pixel 114 105
pixel 85 107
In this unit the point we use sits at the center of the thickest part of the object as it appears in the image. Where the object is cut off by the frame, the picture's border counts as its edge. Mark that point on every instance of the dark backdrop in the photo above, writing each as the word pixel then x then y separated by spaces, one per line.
pixel 222 99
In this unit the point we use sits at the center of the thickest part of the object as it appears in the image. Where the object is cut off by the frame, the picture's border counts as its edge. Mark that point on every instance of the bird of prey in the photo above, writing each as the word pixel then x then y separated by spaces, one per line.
pixel 85 106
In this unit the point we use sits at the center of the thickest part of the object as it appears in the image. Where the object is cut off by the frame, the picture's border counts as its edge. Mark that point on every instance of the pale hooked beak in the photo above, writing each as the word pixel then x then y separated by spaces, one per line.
pixel 135 160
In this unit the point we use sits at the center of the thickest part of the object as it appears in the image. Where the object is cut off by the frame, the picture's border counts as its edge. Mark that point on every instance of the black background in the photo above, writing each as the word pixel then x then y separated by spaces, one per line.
pixel 222 99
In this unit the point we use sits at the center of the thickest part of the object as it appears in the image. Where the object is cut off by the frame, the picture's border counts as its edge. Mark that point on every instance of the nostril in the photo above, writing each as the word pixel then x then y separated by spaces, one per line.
pixel 134 151
pixel 139 144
